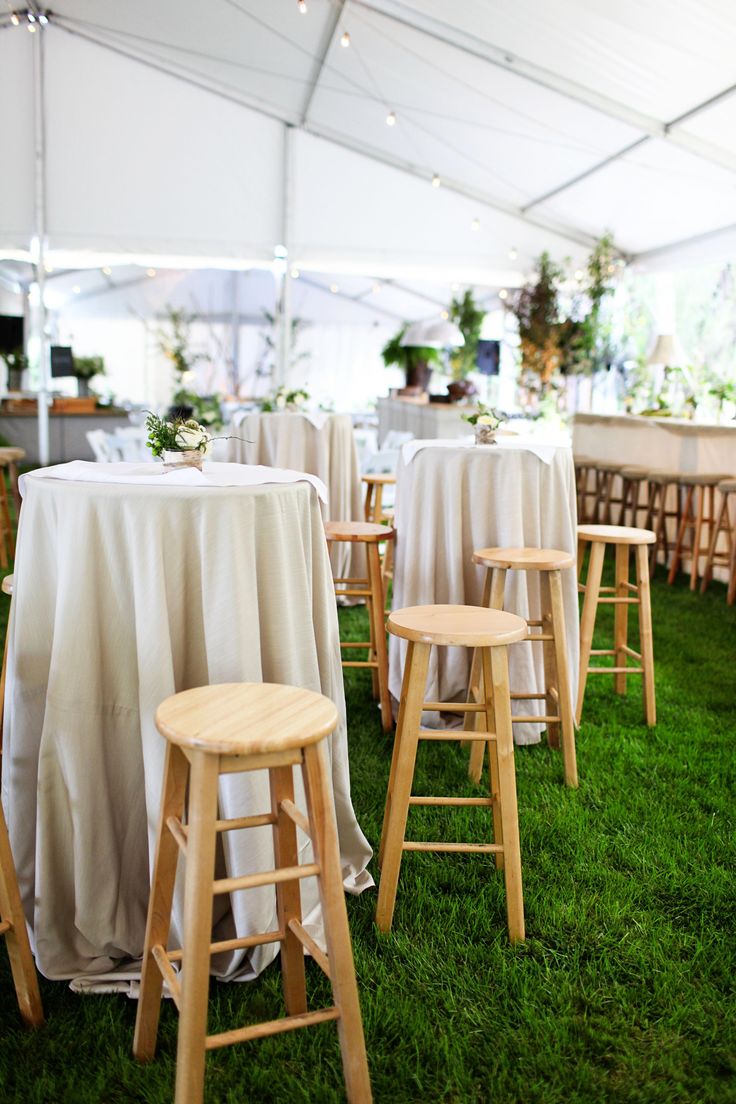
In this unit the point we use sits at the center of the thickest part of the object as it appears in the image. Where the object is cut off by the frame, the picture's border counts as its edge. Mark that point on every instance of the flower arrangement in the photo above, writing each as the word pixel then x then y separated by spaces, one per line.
pixel 285 398
pixel 177 436
pixel 486 421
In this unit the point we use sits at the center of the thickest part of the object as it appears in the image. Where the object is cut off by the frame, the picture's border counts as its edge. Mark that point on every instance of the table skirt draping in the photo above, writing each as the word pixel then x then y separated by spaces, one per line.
pixel 291 440
pixel 122 597
pixel 451 501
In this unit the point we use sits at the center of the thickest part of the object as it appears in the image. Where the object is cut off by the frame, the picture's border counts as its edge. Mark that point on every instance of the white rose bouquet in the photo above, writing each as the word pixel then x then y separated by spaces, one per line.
pixel 177 436
pixel 285 398
pixel 485 415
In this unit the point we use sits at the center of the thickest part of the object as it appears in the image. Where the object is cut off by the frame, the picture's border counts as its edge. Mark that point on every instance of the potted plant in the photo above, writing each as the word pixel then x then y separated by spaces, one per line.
pixel 485 421
pixel 16 364
pixel 85 368
pixel 416 360
pixel 180 443
pixel 468 317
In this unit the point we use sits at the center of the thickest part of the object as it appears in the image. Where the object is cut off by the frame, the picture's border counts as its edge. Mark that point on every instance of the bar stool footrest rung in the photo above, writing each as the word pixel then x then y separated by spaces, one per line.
pixel 271 1027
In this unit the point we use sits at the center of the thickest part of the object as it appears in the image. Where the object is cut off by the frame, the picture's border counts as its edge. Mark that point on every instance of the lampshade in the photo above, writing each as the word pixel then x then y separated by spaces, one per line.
pixel 434 335
pixel 668 351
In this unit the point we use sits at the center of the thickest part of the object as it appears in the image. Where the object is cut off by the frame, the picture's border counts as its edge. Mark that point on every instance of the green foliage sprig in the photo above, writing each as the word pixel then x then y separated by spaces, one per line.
pixel 407 356
pixel 176 436
pixel 468 317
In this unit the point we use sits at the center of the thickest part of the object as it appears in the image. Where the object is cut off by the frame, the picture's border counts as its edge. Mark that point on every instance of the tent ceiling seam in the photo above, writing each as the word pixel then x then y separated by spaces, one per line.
pixel 321 59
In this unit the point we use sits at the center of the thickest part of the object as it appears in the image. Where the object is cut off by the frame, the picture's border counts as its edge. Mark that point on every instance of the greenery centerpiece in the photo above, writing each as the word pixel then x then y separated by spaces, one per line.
pixel 486 422
pixel 468 317
pixel 180 443
pixel 16 363
pixel 85 369
pixel 416 360
pixel 289 399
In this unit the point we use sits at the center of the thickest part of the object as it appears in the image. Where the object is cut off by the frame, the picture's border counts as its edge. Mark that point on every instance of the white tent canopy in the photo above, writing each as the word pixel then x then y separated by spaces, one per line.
pixel 179 130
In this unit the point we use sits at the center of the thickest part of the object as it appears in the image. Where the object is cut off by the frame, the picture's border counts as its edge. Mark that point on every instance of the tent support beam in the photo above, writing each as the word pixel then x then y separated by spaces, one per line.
pixel 344 141
pixel 284 291
pixel 38 315
pixel 545 78
pixel 661 250
pixel 332 21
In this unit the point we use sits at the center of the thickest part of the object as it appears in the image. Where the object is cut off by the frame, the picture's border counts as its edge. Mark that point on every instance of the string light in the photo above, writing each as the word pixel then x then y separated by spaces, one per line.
pixel 107 271
pixel 295 273
pixel 14 19
pixel 334 289
pixel 302 6
pixel 345 40
pixel 76 289
pixel 454 287
pixel 445 315
pixel 436 181
pixel 376 288
pixel 513 254
pixel 578 274
pixel 48 267
pixel 43 19
pixel 475 224
pixel 391 118
pixel 503 294
pixel 150 272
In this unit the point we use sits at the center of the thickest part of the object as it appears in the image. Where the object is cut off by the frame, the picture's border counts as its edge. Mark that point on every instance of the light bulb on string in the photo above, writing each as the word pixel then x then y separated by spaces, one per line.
pixel 436 181
pixel 391 118
pixel 302 6
pixel 295 273
pixel 150 272
pixel 513 254
pixel 334 289
pixel 76 289
pixel 43 19
pixel 14 19
pixel 579 275
pixel 503 294
pixel 445 315
pixel 107 271
pixel 475 224
pixel 345 39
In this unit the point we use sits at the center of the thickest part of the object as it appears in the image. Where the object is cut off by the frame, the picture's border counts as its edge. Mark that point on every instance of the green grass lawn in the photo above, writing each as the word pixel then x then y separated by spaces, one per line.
pixel 624 988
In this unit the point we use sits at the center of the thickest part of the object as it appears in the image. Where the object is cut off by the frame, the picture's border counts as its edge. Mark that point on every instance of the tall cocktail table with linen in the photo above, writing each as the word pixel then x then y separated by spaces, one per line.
pixel 315 442
pixel 453 497
pixel 130 585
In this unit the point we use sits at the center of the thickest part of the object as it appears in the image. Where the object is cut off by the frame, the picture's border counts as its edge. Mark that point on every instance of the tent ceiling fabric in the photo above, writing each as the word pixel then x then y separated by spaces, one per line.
pixel 165 129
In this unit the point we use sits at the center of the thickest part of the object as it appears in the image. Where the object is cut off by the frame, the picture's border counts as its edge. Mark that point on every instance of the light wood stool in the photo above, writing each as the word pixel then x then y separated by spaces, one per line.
pixel 7 538
pixel 724 525
pixel 622 595
pixel 633 479
pixel 371 589
pixel 244 727
pixel 664 486
pixel 549 563
pixel 7 588
pixel 698 519
pixel 13 456
pixel 374 484
pixel 489 631
pixel 13 927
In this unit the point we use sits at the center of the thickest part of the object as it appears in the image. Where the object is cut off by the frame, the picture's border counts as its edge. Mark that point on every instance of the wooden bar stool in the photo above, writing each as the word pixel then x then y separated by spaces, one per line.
pixel 13 927
pixel 489 631
pixel 374 484
pixel 584 473
pixel 697 520
pixel 607 472
pixel 557 696
pixel 622 595
pixel 633 480
pixel 7 588
pixel 245 727
pixel 7 537
pixel 664 505
pixel 726 527
pixel 13 456
pixel 371 589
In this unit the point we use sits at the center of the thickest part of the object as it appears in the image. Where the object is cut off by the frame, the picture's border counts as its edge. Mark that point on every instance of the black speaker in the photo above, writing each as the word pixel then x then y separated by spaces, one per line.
pixel 488 358
pixel 62 361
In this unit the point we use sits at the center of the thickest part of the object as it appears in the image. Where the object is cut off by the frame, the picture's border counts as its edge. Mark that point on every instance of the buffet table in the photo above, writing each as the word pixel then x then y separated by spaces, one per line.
pixel 669 443
pixel 420 419
pixel 67 433
pixel 452 499
pixel 131 585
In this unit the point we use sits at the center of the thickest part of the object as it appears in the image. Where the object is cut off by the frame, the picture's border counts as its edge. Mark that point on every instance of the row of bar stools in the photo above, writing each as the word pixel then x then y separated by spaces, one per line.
pixel 605 503
pixel 663 507
pixel 371 589
pixel 634 481
pixel 246 727
pixel 549 564
pixel 11 456
pixel 13 927
pixel 7 537
pixel 622 595
pixel 584 471
pixel 489 632
pixel 697 520
pixel 725 527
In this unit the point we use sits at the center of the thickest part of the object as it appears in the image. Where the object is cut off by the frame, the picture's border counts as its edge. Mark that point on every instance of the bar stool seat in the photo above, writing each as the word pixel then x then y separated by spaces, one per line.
pixel 239 727
pixel 549 630
pixel 374 484
pixel 372 590
pixel 622 595
pixel 490 631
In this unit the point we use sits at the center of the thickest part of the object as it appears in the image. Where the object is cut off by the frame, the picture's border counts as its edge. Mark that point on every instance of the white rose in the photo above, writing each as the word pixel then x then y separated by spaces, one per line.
pixel 299 399
pixel 191 435
pixel 281 401
pixel 485 419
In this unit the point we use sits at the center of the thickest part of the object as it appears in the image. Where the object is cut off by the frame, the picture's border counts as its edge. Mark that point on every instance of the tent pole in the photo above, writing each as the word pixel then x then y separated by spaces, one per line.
pixel 283 262
pixel 235 338
pixel 38 315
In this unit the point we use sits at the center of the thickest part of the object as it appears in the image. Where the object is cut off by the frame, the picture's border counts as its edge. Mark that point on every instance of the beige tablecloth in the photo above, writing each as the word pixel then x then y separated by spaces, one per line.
pixel 286 440
pixel 124 595
pixel 451 501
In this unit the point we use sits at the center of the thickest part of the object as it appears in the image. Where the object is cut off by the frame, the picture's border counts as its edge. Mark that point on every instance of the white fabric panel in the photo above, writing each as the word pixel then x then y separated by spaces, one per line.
pixel 139 161
pixel 16 138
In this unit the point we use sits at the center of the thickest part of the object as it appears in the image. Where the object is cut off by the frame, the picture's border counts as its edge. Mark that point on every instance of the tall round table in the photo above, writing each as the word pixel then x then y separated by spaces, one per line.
pixel 125 594
pixel 452 499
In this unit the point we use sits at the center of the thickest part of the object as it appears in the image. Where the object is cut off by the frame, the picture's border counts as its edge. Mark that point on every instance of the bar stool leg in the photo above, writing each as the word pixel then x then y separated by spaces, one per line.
pixel 176 771
pixel 22 965
pixel 645 634
pixel 496 675
pixel 337 933
pixel 700 513
pixel 408 666
pixel 288 894
pixel 376 613
pixel 550 667
pixel 494 590
pixel 587 621
pixel 686 523
pixel 721 526
pixel 407 732
pixel 564 691
pixel 621 616
pixel 190 1054
pixel 489 722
